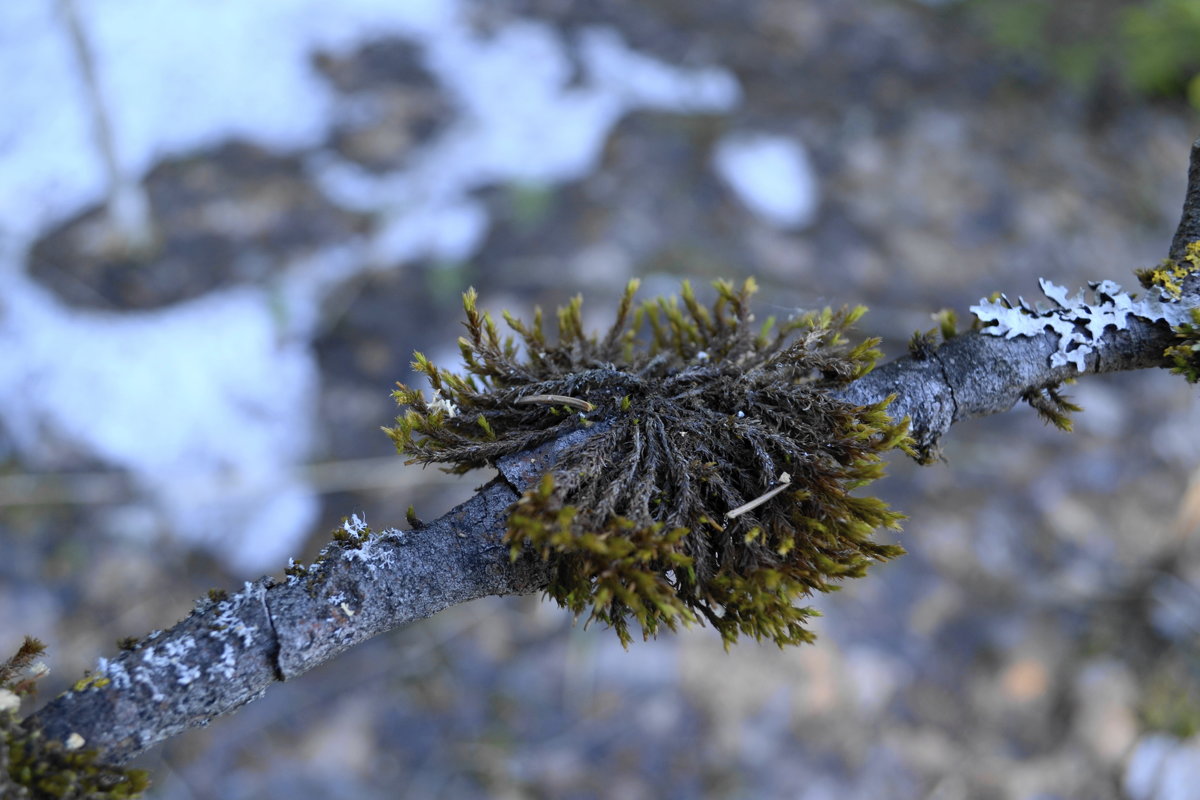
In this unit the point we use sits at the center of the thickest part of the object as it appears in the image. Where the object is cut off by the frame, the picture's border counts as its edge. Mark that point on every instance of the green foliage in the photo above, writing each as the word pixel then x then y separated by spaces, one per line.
pixel 1160 47
pixel 718 482
pixel 34 768
pixel 1150 47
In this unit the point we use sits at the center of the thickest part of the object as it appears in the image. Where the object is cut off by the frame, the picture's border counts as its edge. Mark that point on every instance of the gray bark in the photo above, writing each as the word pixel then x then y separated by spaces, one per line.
pixel 226 654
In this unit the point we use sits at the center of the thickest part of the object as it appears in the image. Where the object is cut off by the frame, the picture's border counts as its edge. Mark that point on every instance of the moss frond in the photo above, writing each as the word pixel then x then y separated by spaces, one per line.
pixel 699 412
pixel 1052 406
pixel 923 344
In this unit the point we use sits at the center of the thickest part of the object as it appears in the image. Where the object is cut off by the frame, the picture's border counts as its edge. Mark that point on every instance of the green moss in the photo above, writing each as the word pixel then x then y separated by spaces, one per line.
pixel 718 484
pixel 1052 405
pixel 924 344
pixel 414 522
pixel 1160 47
pixel 1147 48
pixel 40 768
pixel 352 534
pixel 35 768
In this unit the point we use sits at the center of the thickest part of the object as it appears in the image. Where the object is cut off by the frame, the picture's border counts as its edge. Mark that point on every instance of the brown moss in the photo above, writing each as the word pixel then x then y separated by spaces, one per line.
pixel 707 413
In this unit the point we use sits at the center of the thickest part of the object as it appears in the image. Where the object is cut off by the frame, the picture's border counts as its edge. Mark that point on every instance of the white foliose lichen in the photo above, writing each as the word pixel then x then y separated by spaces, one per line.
pixel 227 666
pixel 172 656
pixel 372 555
pixel 229 622
pixel 355 525
pixel 1079 322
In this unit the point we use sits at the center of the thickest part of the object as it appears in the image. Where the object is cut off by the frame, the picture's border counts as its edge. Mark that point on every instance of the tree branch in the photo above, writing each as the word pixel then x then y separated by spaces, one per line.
pixel 975 374
pixel 1189 222
pixel 228 652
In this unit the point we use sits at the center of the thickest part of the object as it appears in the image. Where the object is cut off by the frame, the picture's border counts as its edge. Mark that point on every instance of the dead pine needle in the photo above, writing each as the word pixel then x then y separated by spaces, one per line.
pixel 558 400
pixel 785 481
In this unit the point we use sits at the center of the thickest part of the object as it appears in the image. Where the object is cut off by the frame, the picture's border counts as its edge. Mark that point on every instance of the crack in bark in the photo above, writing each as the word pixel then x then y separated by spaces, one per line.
pixel 275 651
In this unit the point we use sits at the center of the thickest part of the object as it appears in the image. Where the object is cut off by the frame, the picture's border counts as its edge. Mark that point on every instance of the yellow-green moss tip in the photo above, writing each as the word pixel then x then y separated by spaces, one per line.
pixel 1168 276
pixel 698 412
pixel 1052 405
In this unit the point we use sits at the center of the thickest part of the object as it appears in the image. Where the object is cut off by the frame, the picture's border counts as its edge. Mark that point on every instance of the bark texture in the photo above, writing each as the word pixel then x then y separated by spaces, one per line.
pixel 228 652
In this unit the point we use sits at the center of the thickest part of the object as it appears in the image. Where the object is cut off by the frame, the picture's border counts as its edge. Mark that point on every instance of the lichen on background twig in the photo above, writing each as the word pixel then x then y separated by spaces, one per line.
pixel 655 516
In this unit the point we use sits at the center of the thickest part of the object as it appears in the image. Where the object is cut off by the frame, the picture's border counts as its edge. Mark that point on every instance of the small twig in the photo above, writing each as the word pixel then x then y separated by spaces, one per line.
pixel 785 481
pixel 127 204
pixel 558 400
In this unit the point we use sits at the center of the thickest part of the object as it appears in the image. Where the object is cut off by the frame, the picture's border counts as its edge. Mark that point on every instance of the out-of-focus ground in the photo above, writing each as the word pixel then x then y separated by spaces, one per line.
pixel 190 414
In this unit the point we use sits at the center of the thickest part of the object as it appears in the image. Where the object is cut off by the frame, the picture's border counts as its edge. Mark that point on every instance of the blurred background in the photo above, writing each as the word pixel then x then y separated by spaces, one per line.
pixel 224 228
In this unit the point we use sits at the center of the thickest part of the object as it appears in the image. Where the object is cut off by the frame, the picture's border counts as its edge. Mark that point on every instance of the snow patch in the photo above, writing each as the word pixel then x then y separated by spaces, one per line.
pixel 174 77
pixel 771 176
pixel 205 403
pixel 1163 768
pixel 522 119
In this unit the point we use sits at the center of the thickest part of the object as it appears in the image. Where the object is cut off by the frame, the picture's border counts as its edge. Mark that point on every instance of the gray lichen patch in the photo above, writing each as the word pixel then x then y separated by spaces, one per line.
pixel 1078 321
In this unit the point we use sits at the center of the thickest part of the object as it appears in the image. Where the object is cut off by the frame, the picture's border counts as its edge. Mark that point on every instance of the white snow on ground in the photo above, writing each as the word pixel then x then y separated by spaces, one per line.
pixel 204 403
pixel 770 175
pixel 521 121
pixel 210 403
pixel 1162 767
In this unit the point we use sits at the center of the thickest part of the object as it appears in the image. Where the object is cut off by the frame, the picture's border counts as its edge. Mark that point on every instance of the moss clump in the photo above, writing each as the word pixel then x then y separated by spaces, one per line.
pixel 923 345
pixel 717 483
pixel 34 768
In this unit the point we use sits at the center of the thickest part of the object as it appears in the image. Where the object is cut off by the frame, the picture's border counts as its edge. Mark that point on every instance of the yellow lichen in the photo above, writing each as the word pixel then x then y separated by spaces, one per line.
pixel 1168 276
pixel 90 682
